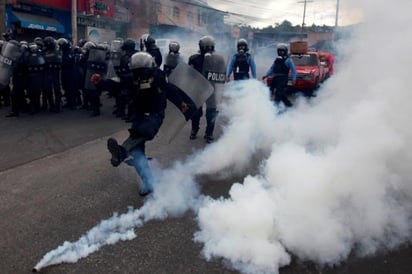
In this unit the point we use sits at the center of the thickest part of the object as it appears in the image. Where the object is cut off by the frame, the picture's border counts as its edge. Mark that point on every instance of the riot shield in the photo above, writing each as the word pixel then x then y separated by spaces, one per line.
pixel 194 89
pixel 214 68
pixel 96 63
pixel 35 71
pixel 10 53
pixel 116 52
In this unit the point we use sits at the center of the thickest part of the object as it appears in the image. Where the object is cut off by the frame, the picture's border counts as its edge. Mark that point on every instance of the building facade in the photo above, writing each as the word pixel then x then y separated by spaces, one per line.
pixel 104 20
pixel 171 18
pixel 97 20
pixel 29 19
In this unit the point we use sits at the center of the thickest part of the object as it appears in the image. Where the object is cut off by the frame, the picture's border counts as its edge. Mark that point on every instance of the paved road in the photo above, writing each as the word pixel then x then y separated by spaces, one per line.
pixel 56 183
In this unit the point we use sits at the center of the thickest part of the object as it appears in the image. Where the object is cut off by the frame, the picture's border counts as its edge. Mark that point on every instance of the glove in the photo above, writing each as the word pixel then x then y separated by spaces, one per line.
pixel 184 107
pixel 95 78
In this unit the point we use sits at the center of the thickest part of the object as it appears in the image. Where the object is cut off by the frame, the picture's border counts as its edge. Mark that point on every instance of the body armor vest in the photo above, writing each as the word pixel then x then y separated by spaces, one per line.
pixel 150 96
pixel 53 60
pixel 241 64
pixel 280 67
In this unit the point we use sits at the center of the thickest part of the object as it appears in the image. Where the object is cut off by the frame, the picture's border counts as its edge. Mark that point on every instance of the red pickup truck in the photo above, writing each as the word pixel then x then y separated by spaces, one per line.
pixel 311 72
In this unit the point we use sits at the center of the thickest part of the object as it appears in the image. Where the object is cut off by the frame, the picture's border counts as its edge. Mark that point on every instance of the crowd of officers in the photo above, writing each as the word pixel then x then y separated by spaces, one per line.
pixel 49 72
pixel 52 74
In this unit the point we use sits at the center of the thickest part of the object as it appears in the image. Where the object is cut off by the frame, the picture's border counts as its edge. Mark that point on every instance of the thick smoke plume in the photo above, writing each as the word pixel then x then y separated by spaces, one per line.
pixel 337 179
pixel 335 175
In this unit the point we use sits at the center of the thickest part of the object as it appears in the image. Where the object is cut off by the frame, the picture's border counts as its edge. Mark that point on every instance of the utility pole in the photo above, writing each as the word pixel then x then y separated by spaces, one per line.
pixel 74 22
pixel 304 12
pixel 337 13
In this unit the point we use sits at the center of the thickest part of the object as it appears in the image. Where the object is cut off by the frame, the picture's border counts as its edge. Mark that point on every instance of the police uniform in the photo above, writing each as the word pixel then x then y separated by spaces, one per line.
pixel 196 61
pixel 241 65
pixel 150 92
pixel 52 73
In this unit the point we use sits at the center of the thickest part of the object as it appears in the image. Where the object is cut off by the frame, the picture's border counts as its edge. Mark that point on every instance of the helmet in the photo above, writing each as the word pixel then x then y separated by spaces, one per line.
pixel 24 45
pixel 63 43
pixel 174 46
pixel 33 47
pixel 141 60
pixel 77 50
pixel 88 45
pixel 39 42
pixel 146 41
pixel 129 44
pixel 49 43
pixel 282 49
pixel 82 42
pixel 242 45
pixel 207 44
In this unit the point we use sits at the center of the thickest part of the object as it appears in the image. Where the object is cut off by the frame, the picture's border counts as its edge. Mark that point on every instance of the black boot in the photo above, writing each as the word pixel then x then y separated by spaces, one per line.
pixel 193 134
pixel 209 139
pixel 117 151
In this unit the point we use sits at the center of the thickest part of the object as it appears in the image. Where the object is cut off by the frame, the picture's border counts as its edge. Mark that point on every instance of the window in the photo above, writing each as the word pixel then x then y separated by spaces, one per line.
pixel 158 7
pixel 176 12
pixel 190 16
pixel 305 60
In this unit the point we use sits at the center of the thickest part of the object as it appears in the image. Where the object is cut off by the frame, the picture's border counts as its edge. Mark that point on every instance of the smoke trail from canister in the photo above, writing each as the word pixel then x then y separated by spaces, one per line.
pixel 176 190
pixel 170 199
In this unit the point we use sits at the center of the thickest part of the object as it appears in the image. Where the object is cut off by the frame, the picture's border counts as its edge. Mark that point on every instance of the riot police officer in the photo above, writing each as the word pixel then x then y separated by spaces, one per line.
pixel 19 83
pixel 35 76
pixel 242 63
pixel 6 66
pixel 97 62
pixel 79 72
pixel 84 66
pixel 68 72
pixel 149 102
pixel 52 74
pixel 280 72
pixel 10 53
pixel 126 79
pixel 206 48
pixel 148 44
pixel 172 58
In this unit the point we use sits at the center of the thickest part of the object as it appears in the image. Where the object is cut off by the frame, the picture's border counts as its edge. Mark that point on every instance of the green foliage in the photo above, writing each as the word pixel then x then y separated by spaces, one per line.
pixel 285 27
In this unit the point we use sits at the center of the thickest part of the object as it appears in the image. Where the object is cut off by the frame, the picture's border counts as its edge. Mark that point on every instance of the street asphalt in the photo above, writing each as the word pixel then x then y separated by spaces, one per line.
pixel 56 183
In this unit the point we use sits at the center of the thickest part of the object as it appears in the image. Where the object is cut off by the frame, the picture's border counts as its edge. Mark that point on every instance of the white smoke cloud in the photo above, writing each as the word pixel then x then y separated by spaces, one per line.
pixel 336 180
pixel 334 176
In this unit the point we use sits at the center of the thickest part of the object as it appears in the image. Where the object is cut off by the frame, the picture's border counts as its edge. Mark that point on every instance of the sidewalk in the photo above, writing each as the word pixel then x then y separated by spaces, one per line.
pixel 30 137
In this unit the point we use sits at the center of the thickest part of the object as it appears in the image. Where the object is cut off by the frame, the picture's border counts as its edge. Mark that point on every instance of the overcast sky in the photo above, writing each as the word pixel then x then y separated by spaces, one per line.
pixel 261 13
